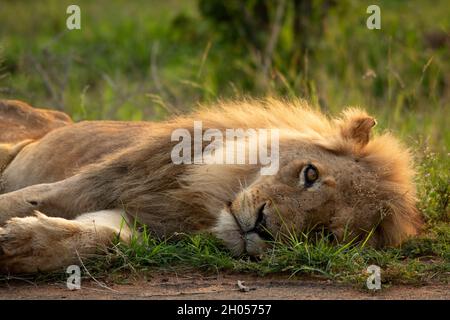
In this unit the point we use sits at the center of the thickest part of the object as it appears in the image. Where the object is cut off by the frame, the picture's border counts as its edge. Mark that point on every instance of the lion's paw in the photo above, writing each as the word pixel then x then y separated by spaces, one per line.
pixel 15 238
pixel 35 243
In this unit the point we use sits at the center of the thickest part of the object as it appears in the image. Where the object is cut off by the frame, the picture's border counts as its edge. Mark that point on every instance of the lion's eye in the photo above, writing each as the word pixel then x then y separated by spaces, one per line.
pixel 311 174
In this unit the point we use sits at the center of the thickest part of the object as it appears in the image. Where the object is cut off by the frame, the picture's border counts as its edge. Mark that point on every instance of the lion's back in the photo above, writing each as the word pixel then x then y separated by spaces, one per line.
pixel 64 151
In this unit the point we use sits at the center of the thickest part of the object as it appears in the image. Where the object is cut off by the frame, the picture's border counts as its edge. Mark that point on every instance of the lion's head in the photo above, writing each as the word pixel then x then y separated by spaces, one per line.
pixel 332 175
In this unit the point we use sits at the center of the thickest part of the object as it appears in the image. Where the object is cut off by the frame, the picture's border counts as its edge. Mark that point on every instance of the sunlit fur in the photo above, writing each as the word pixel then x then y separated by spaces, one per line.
pixel 366 182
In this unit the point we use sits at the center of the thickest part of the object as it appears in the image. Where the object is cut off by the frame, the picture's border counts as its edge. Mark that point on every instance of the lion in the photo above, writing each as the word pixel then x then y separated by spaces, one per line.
pixel 82 185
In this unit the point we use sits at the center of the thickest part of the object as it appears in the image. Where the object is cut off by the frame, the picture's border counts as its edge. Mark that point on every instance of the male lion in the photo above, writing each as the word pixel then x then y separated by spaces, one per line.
pixel 68 192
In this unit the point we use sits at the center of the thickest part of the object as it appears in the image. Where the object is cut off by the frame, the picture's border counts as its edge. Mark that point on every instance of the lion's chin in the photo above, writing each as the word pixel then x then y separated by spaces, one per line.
pixel 255 246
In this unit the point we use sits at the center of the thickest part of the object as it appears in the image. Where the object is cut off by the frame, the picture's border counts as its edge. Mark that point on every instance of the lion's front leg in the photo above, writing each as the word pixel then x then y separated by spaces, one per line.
pixel 24 202
pixel 65 199
pixel 42 243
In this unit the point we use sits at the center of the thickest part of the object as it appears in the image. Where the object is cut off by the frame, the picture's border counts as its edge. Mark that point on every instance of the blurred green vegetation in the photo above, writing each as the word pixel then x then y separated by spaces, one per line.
pixel 144 59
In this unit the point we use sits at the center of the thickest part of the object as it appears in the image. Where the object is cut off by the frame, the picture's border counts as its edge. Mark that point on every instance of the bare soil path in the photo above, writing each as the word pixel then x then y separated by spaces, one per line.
pixel 217 287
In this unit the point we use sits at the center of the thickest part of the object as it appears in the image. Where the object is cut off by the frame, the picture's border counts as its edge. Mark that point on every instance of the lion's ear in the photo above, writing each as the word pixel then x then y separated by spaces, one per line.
pixel 356 125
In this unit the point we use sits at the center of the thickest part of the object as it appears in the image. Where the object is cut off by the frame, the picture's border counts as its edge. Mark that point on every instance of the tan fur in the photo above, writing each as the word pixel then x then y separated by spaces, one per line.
pixel 365 183
pixel 8 151
pixel 40 243
pixel 19 121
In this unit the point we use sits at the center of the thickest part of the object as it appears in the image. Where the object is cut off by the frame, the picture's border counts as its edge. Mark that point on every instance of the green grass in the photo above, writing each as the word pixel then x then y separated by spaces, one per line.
pixel 419 260
pixel 140 59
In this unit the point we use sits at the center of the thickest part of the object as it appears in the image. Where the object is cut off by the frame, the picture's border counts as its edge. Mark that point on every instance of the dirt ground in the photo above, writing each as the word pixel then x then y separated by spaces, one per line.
pixel 216 287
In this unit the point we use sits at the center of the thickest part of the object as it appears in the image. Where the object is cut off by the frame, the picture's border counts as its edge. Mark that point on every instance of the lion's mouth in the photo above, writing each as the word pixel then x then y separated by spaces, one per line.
pixel 239 239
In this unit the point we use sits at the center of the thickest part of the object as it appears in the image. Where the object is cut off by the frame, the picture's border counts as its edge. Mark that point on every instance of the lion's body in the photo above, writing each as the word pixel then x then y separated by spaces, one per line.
pixel 126 166
pixel 67 150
